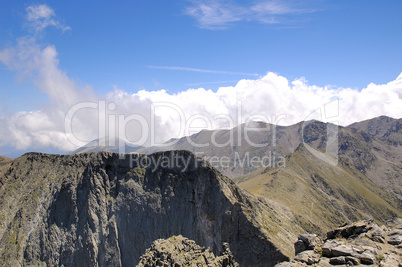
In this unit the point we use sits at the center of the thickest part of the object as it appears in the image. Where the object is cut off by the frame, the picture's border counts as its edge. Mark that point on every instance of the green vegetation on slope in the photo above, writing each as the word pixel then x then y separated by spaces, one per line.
pixel 321 195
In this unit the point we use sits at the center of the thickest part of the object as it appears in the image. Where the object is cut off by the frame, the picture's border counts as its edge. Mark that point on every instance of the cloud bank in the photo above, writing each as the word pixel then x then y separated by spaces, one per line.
pixel 77 113
pixel 272 97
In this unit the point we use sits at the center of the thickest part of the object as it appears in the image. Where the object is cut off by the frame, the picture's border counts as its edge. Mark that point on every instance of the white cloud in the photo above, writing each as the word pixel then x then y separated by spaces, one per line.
pixel 272 96
pixel 41 17
pixel 45 127
pixel 278 8
pixel 218 14
pixel 201 70
pixel 34 130
pixel 39 65
pixel 269 96
pixel 215 14
pixel 31 61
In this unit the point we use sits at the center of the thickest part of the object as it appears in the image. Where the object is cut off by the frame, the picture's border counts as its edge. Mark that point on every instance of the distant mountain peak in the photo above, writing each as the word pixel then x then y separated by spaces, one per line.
pixel 382 126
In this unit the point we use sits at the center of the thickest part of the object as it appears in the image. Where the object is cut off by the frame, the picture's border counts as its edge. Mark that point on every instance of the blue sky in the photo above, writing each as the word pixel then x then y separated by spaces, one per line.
pixel 176 45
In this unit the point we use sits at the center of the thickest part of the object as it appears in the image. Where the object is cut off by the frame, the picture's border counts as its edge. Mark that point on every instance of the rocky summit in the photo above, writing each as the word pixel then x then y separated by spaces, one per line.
pixel 106 209
pixel 180 251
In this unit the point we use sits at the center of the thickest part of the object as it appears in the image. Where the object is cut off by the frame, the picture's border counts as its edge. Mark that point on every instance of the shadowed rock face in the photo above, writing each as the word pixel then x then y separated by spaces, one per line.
pixel 105 209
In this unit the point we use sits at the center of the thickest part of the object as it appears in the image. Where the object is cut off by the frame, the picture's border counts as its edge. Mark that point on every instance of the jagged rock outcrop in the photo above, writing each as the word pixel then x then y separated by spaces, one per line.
pixel 356 244
pixel 180 251
pixel 105 209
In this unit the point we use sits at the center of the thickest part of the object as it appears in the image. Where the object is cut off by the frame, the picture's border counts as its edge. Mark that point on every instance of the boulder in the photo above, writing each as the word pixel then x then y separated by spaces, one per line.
pixel 366 258
pixel 307 242
pixel 308 256
pixel 349 230
pixel 389 260
pixel 395 237
pixel 337 260
pixel 377 234
pixel 339 248
pixel 352 260
pixel 336 248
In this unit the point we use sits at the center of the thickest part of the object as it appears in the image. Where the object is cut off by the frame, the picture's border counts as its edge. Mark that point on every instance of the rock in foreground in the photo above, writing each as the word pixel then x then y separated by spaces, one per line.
pixel 179 251
pixel 363 243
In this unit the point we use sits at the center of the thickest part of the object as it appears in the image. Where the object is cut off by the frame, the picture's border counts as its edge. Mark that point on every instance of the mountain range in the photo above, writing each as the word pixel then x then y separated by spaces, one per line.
pixel 370 151
pixel 257 190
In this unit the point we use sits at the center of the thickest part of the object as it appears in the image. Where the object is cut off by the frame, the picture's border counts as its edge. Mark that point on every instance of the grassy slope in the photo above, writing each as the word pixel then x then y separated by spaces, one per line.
pixel 321 195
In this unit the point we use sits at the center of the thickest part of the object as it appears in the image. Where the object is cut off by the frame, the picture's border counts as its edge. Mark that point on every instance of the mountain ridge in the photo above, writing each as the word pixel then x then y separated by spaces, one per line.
pixel 94 208
pixel 106 208
pixel 265 140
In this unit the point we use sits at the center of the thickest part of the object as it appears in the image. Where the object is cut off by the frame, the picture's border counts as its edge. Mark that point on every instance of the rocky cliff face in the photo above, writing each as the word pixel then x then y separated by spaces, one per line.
pixel 105 209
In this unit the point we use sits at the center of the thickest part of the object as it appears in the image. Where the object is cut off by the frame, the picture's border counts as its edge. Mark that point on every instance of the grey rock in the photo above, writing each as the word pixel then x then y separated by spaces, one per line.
pixel 351 260
pixel 299 246
pixel 395 223
pixel 389 260
pixel 292 264
pixel 337 260
pixel 377 234
pixel 357 249
pixel 395 237
pixel 395 240
pixel 366 258
pixel 342 250
pixel 395 232
pixel 99 209
pixel 349 230
pixel 308 256
pixel 324 262
pixel 307 242
pixel 180 251
pixel 336 248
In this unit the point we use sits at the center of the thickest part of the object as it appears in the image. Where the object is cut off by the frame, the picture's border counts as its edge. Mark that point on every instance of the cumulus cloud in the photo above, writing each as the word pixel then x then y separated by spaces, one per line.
pixel 45 127
pixel 41 17
pixel 148 117
pixel 39 65
pixel 218 14
pixel 173 115
pixel 272 98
